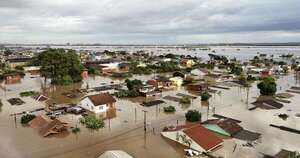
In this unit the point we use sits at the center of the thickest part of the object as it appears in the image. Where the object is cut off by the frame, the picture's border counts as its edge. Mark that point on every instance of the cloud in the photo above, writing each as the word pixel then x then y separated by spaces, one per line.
pixel 145 21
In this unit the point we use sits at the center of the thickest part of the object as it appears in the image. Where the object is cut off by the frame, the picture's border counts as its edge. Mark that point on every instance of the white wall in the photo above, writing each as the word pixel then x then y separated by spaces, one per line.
pixel 172 136
pixel 88 105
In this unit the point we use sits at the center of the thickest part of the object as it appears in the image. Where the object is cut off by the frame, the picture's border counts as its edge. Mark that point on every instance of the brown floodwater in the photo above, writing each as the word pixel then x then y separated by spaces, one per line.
pixel 124 126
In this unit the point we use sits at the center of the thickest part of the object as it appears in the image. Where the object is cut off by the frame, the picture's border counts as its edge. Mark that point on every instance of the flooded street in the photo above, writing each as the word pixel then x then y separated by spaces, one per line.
pixel 124 125
pixel 125 130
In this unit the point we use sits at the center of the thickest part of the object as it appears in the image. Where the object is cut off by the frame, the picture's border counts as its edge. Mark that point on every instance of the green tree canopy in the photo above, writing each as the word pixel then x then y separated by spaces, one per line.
pixel 133 84
pixel 267 86
pixel 61 66
pixel 193 116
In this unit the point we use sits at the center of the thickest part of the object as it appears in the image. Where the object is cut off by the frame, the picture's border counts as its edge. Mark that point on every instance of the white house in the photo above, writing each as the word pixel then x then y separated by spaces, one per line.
pixel 178 81
pixel 98 103
pixel 199 72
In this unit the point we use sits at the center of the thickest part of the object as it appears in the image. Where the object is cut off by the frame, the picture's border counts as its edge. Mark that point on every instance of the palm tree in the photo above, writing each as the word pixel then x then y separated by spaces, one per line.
pixel 185 140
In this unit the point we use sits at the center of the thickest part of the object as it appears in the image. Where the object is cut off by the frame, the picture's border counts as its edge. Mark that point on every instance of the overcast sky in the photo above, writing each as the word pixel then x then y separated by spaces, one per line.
pixel 149 21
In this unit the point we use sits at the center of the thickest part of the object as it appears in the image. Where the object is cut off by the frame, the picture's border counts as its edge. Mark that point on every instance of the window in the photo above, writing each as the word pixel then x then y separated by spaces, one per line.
pixel 100 107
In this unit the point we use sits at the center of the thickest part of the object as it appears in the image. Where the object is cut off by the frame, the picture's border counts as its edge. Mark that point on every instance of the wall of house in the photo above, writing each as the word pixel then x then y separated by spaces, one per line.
pixel 88 105
pixel 173 135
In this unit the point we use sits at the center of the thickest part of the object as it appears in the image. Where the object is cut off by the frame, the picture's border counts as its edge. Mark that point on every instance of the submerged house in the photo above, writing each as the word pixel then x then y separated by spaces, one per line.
pixel 12 78
pixel 228 127
pixel 201 87
pixel 33 70
pixel 19 60
pixel 200 73
pixel 177 81
pixel 45 126
pixel 187 63
pixel 282 154
pixel 161 83
pixel 212 78
pixel 268 104
pixel 194 136
pixel 98 103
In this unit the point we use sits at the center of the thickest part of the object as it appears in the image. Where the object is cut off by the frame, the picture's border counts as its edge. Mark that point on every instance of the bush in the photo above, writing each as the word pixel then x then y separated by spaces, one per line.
pixel 76 130
pixel 133 84
pixel 193 116
pixel 28 93
pixel 185 100
pixel 27 118
pixel 205 96
pixel 92 70
pixel 169 109
pixel 267 86
pixel 92 122
pixel 236 70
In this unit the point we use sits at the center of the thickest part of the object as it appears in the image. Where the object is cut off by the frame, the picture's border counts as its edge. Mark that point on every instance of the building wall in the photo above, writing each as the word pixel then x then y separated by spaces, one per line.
pixel 173 136
pixel 88 105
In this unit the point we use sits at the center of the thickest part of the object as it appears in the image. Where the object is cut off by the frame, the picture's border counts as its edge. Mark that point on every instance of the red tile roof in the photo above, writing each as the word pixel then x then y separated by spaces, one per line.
pixel 102 98
pixel 206 139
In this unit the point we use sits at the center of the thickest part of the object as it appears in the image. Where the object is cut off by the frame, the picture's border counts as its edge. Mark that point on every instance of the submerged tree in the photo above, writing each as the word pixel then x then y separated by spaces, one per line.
pixel 193 116
pixel 61 66
pixel 267 86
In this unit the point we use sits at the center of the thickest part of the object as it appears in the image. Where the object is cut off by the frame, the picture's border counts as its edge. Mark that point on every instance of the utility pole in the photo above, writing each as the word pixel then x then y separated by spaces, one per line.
pixel 145 117
pixel 135 114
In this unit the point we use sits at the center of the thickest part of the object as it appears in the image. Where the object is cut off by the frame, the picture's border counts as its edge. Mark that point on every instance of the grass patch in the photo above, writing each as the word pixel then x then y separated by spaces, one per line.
pixel 28 93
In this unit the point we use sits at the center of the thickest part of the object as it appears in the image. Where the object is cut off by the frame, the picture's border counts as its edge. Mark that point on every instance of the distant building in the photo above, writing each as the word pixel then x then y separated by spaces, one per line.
pixel 177 81
pixel 18 61
pixel 98 103
pixel 12 78
pixel 187 63
pixel 33 70
pixel 202 87
pixel 161 83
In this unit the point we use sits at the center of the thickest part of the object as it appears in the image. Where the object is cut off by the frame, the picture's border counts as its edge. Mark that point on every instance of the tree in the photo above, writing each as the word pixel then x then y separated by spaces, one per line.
pixel 236 70
pixel 27 118
pixel 169 109
pixel 92 70
pixel 61 66
pixel 185 100
pixel 205 96
pixel 92 122
pixel 267 86
pixel 193 116
pixel 133 84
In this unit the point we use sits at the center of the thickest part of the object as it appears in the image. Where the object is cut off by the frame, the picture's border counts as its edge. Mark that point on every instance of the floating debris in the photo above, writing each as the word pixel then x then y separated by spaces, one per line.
pixel 283 116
